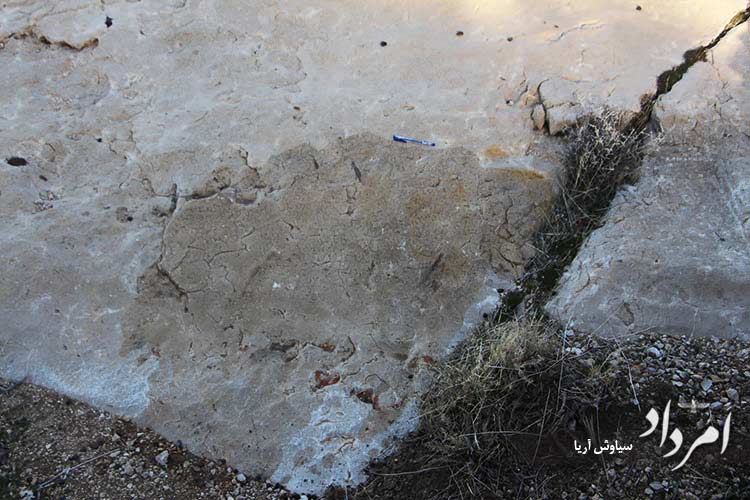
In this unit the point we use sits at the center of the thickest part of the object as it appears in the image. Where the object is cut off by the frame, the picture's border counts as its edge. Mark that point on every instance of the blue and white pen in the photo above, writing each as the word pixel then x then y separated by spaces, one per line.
pixel 400 138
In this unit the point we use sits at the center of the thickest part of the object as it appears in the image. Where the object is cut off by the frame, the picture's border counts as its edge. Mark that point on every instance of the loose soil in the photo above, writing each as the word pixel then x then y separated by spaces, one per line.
pixel 44 434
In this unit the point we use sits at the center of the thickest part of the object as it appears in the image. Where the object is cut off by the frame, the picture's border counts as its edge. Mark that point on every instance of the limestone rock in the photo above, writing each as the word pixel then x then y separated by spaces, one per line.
pixel 143 157
pixel 674 254
pixel 162 458
pixel 304 318
pixel 538 116
pixel 560 104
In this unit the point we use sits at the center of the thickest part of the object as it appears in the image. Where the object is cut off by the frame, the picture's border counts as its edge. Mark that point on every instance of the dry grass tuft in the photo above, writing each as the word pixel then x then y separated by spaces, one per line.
pixel 505 392
pixel 511 383
pixel 604 152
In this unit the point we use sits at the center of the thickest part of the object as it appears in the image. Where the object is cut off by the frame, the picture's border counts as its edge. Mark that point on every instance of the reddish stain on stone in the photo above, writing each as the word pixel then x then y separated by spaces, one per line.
pixel 365 395
pixel 327 347
pixel 324 379
pixel 368 396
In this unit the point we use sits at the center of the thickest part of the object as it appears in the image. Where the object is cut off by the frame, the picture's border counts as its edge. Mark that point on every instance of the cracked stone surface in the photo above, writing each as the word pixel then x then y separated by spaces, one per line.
pixel 186 241
pixel 320 301
pixel 674 255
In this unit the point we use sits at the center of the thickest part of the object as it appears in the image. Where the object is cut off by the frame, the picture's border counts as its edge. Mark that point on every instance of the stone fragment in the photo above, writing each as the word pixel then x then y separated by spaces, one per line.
pixel 733 395
pixel 654 351
pixel 162 458
pixel 538 116
pixel 560 104
pixel 656 486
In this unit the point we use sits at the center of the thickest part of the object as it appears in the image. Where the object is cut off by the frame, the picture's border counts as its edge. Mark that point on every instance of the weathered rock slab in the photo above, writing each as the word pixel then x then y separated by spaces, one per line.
pixel 171 251
pixel 303 318
pixel 674 255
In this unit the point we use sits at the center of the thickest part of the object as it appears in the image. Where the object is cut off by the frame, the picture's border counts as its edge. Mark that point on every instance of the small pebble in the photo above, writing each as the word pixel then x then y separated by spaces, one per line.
pixel 162 458
pixel 653 351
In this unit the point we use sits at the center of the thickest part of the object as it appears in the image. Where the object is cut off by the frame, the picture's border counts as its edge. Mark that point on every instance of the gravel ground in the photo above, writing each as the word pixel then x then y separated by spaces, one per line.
pixel 705 379
pixel 53 447
pixel 45 434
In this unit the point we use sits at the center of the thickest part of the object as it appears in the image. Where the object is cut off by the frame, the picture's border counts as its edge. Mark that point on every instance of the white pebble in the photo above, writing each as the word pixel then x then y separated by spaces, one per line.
pixel 162 458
